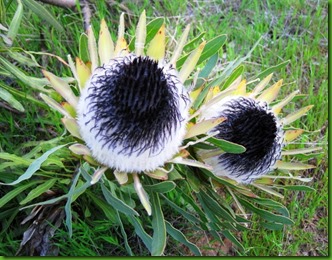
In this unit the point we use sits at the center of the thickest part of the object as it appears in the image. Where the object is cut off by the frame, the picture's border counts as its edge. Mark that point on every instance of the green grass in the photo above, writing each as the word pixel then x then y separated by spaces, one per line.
pixel 290 30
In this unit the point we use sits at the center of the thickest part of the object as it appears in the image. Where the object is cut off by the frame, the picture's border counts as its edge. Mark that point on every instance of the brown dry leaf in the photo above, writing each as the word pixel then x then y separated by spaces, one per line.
pixel 37 238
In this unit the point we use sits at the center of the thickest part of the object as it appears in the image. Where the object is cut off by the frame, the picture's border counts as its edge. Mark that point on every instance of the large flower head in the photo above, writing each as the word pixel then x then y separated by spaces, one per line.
pixel 132 113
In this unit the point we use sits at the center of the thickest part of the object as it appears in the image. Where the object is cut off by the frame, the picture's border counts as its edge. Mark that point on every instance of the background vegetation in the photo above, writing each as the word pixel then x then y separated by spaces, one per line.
pixel 292 30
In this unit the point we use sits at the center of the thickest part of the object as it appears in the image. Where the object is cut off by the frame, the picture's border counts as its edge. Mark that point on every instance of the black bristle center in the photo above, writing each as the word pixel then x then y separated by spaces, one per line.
pixel 136 105
pixel 254 127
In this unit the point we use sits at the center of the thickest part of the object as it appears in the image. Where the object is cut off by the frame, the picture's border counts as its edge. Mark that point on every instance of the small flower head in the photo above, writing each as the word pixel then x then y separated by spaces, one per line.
pixel 132 113
pixel 251 121
pixel 253 124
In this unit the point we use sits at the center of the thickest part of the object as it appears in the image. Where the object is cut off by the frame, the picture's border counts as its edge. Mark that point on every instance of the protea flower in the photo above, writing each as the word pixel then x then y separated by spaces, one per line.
pixel 132 108
pixel 251 121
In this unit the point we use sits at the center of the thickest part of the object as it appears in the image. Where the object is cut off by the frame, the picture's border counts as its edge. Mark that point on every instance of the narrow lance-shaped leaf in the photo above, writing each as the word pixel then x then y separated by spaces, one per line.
pixel 191 62
pixel 92 46
pixel 121 44
pixel 212 47
pixel 271 93
pixel 39 190
pixel 301 151
pixel 270 70
pixel 15 22
pixel 33 82
pixel 105 44
pixel 180 45
pixel 139 230
pixel 55 105
pixel 35 166
pixel 6 96
pixel 62 88
pixel 140 34
pixel 203 127
pixel 227 146
pixel 293 166
pixel 43 13
pixel 180 237
pixel 117 203
pixel 261 85
pixel 72 126
pixel 142 195
pixel 156 48
pixel 296 115
pixel 291 135
pixel 158 226
pixel 83 73
pixel 161 187
pixel 277 108
pixel 13 193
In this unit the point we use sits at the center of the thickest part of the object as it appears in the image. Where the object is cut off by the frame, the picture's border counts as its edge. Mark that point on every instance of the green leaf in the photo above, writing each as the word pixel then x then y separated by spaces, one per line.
pixel 268 202
pixel 36 83
pixel 179 236
pixel 17 160
pixel 272 69
pixel 24 60
pixel 139 230
pixel 183 212
pixel 15 22
pixel 228 147
pixel 235 74
pixel 105 207
pixel 161 187
pixel 215 207
pixel 296 187
pixel 212 47
pixel 151 30
pixel 12 194
pixel 231 67
pixel 35 166
pixel 158 226
pixel 83 48
pixel 189 45
pixel 205 72
pixel 43 13
pixel 272 226
pixel 22 95
pixel 266 214
pixel 124 234
pixel 36 192
pixel 68 212
pixel 192 202
pixel 117 203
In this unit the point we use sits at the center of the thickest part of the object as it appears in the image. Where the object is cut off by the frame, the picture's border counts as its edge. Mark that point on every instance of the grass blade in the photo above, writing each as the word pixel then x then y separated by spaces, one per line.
pixel 12 194
pixel 39 190
pixel 43 13
pixel 16 22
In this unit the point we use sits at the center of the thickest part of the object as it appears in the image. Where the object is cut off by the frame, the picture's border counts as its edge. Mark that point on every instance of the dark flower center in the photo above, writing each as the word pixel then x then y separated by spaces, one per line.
pixel 136 105
pixel 255 127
